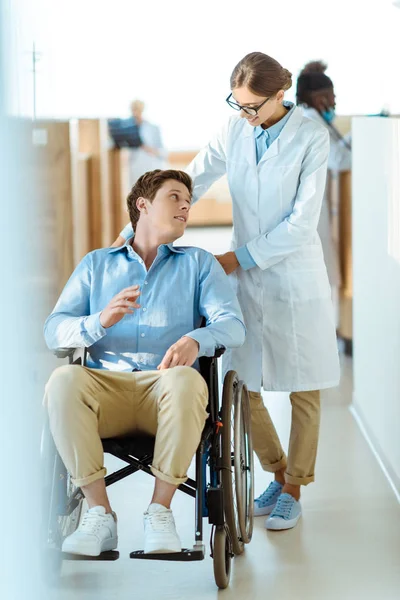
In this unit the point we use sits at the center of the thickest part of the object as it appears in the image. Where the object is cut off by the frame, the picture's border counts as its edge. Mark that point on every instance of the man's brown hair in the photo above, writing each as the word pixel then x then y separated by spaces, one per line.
pixel 148 185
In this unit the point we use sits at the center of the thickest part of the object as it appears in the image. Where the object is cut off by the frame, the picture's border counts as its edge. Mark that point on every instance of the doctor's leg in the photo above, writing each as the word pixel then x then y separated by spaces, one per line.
pixel 265 440
pixel 303 442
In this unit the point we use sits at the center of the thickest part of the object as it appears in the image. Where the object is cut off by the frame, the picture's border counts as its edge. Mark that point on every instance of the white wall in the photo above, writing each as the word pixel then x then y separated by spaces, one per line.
pixel 376 271
pixel 178 55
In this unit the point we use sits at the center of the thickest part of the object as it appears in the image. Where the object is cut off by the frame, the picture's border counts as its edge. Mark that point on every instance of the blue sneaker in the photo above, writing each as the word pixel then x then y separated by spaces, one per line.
pixel 285 514
pixel 265 504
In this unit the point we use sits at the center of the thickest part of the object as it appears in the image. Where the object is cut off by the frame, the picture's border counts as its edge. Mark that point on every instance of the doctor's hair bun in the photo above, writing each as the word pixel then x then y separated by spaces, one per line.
pixel 315 66
pixel 262 74
pixel 312 79
pixel 287 77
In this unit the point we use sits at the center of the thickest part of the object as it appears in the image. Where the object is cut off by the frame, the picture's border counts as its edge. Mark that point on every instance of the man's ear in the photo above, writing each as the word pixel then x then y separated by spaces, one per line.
pixel 141 204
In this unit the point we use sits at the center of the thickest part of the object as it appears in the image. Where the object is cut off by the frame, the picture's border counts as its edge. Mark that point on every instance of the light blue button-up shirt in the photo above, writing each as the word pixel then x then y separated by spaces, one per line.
pixel 182 286
pixel 264 138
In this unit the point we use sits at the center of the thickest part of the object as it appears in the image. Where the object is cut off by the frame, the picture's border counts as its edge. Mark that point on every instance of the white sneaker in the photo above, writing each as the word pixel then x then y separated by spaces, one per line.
pixel 96 534
pixel 159 531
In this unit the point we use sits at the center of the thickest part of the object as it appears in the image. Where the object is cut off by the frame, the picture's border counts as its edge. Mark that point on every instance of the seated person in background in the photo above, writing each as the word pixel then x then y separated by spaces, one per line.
pixel 141 374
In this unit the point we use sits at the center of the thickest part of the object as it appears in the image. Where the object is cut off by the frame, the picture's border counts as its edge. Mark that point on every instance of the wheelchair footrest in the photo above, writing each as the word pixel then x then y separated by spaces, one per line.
pixel 109 555
pixel 187 554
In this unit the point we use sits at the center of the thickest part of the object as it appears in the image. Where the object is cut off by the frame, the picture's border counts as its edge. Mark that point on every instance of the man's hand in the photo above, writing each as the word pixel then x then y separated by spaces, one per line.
pixel 122 304
pixel 228 262
pixel 184 353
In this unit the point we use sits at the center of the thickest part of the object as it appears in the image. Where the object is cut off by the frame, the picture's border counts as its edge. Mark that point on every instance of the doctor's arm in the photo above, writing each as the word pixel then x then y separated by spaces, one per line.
pixel 207 167
pixel 300 226
pixel 220 307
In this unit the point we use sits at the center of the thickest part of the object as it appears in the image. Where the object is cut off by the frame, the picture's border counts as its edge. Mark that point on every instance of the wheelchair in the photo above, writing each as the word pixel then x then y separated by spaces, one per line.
pixel 222 489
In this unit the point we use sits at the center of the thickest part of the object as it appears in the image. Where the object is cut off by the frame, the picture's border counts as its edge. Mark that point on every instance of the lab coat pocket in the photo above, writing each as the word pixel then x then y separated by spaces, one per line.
pixel 309 284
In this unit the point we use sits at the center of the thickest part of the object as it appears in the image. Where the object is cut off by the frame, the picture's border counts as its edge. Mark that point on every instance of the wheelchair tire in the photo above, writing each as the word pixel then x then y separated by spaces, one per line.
pixel 222 557
pixel 60 518
pixel 244 465
pixel 230 410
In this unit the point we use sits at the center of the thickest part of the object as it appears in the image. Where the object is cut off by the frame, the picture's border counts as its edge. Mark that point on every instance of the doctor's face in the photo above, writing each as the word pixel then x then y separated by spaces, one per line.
pixel 248 99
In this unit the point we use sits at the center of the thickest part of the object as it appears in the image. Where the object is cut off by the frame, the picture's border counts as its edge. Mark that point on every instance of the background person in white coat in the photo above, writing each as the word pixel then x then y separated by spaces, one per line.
pixel 276 162
pixel 152 154
pixel 315 93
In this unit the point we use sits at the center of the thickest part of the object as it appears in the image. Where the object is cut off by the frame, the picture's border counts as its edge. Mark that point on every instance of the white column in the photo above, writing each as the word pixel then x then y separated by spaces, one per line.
pixel 376 256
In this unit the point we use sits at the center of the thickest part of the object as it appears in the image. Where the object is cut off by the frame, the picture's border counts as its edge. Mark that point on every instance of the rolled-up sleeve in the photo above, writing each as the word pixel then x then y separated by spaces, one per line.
pixel 220 307
pixel 71 325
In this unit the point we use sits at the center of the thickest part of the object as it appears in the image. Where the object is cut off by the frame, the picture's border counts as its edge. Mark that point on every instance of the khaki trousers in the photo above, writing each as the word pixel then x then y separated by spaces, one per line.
pixel 300 464
pixel 86 405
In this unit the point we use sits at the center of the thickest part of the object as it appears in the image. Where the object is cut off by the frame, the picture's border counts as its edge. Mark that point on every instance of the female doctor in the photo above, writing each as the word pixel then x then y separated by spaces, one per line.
pixel 276 162
pixel 315 93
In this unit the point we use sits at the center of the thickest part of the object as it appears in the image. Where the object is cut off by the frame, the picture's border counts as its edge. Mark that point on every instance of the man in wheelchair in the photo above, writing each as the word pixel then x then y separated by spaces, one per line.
pixel 138 310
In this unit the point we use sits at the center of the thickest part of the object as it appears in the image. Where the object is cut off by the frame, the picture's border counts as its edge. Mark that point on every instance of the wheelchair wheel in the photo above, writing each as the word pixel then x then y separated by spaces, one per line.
pixel 244 465
pixel 61 508
pixel 230 414
pixel 222 556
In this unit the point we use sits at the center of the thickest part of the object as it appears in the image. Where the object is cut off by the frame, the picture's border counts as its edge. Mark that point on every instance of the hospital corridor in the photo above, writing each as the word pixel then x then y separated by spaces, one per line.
pixel 200 300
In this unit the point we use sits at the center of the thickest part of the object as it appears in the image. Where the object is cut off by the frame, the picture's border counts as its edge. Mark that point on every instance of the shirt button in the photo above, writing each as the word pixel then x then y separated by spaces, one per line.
pixel 142 335
pixel 146 283
pixel 144 310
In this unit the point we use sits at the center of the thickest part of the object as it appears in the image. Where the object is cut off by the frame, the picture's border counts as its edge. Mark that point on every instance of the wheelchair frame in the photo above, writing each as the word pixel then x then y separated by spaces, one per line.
pixel 137 452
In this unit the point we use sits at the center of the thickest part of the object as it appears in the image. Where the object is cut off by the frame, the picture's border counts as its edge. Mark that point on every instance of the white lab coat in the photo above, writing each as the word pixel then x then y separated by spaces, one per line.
pixel 286 299
pixel 141 161
pixel 339 160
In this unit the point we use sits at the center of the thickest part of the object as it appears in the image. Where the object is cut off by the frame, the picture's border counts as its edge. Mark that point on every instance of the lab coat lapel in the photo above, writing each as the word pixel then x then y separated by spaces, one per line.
pixel 249 145
pixel 286 136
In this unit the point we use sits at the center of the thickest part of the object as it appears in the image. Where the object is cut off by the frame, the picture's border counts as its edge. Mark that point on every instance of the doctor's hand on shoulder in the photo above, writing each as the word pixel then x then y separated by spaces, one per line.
pixel 228 262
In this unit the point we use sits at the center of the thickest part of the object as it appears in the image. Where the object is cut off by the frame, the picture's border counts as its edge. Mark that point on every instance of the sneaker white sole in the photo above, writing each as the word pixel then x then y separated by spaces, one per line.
pixel 281 524
pixel 90 549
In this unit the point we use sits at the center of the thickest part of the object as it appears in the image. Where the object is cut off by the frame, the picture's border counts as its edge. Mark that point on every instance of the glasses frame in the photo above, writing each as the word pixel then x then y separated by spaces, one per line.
pixel 249 111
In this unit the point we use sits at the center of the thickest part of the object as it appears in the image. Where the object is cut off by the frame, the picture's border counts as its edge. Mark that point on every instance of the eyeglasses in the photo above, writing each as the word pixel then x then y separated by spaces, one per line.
pixel 249 111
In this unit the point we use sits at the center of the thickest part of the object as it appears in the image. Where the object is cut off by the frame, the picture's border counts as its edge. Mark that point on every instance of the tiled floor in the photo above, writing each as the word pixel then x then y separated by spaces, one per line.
pixel 346 547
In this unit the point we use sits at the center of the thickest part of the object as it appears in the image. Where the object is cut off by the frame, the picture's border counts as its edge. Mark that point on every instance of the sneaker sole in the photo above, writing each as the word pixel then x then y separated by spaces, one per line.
pixel 107 545
pixel 162 551
pixel 281 525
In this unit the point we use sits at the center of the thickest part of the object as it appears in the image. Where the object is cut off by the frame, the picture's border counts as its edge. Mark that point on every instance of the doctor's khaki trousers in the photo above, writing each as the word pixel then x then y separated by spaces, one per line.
pixel 86 405
pixel 300 463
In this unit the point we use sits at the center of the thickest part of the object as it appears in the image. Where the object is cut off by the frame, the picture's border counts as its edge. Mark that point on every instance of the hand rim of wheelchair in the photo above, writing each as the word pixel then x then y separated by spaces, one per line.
pixel 237 462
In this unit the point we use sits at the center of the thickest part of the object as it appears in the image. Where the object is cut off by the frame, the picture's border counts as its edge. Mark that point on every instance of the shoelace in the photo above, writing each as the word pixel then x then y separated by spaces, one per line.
pixel 267 495
pixel 160 521
pixel 91 523
pixel 283 508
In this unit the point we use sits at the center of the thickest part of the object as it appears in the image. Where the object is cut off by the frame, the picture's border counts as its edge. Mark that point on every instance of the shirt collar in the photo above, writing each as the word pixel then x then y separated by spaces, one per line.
pixel 275 129
pixel 164 247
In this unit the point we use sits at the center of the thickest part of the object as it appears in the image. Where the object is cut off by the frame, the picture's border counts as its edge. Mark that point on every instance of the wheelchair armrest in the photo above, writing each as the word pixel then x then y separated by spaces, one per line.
pixel 219 352
pixel 76 356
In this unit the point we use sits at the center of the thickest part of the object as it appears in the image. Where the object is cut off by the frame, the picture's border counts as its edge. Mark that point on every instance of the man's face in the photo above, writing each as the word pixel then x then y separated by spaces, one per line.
pixel 137 109
pixel 168 213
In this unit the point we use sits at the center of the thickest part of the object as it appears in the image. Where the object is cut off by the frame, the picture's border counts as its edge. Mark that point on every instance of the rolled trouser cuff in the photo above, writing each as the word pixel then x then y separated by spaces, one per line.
pixel 82 481
pixel 278 466
pixel 168 478
pixel 299 480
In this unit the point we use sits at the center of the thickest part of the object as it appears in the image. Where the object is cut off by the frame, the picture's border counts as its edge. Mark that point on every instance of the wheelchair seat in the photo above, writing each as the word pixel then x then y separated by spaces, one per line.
pixel 139 445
